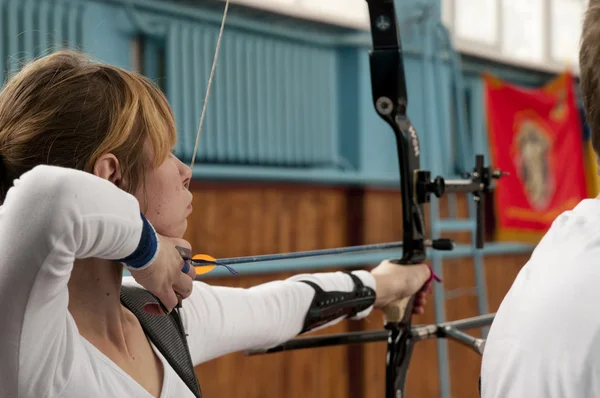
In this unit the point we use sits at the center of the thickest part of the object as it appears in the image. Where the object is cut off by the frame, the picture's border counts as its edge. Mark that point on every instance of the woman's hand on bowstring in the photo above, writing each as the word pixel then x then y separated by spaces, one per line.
pixel 169 277
pixel 395 282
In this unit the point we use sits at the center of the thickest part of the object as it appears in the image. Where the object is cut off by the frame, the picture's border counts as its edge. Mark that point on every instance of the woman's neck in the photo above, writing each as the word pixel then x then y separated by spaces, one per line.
pixel 94 301
pixel 95 304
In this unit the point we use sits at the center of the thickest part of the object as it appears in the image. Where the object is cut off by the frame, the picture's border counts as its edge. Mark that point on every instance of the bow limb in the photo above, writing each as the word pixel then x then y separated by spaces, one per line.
pixel 390 98
pixel 388 82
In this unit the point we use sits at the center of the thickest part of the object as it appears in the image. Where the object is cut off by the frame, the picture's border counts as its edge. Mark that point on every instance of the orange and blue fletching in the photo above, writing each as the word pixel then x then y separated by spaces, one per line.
pixel 203 263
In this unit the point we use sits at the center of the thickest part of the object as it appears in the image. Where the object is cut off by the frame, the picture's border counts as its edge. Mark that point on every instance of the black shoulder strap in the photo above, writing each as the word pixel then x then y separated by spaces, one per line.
pixel 166 332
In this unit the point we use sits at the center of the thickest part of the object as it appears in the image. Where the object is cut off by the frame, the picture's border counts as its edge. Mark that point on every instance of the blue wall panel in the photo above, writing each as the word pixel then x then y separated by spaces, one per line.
pixel 289 101
pixel 107 33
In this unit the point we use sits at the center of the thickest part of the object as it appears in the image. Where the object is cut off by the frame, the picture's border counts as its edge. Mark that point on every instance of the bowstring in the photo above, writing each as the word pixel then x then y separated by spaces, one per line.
pixel 210 80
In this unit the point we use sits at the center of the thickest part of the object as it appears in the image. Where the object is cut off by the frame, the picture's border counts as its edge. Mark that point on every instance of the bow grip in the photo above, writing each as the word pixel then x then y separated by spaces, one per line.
pixel 399 312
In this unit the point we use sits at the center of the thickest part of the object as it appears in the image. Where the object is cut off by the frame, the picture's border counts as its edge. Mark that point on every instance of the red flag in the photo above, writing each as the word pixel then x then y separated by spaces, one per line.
pixel 535 135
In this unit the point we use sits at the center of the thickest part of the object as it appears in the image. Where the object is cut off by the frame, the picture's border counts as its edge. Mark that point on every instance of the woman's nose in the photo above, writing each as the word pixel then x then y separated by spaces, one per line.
pixel 186 173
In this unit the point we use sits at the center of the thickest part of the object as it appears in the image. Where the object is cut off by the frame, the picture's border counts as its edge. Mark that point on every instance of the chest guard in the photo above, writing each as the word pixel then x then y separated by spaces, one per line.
pixel 166 332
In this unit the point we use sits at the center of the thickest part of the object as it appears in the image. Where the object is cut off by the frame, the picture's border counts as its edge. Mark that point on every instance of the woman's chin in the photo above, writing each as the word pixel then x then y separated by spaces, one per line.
pixel 181 230
pixel 174 230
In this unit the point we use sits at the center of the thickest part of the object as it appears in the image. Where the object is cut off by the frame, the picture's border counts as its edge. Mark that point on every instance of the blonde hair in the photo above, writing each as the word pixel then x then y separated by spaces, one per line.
pixel 66 110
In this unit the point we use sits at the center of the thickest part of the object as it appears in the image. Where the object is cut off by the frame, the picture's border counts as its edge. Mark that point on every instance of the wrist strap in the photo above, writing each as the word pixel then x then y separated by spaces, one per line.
pixel 147 248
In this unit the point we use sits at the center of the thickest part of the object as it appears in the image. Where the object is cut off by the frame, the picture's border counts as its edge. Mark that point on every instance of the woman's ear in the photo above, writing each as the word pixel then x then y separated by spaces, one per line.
pixel 107 166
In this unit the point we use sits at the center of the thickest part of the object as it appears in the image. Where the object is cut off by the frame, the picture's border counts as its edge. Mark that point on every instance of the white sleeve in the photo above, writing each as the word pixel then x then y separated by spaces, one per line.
pixel 222 320
pixel 50 217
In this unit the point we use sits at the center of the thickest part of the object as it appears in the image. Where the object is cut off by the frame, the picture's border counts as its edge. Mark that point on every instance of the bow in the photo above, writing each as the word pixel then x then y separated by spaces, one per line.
pixel 390 100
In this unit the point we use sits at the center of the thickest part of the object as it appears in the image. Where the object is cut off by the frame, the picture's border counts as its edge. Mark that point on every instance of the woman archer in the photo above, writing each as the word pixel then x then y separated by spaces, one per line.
pixel 88 186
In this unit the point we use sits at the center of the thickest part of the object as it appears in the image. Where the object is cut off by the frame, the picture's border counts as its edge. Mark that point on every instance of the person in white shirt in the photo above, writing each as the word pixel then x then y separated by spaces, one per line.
pixel 545 338
pixel 88 186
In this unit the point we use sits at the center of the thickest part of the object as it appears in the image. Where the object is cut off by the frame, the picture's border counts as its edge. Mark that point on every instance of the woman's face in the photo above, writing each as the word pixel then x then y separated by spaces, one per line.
pixel 165 198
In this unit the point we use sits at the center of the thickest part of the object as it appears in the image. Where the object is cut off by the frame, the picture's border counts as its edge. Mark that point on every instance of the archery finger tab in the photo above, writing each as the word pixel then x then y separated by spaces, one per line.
pixel 179 300
pixel 184 252
pixel 203 263
pixel 186 267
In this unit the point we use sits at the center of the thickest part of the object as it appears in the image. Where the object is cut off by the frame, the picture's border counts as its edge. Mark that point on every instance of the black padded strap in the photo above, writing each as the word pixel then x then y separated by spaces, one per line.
pixel 327 306
pixel 166 332
pixel 357 282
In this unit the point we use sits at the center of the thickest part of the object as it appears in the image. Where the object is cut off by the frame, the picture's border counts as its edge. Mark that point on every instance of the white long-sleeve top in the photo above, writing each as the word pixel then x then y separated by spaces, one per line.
pixel 54 215
pixel 545 338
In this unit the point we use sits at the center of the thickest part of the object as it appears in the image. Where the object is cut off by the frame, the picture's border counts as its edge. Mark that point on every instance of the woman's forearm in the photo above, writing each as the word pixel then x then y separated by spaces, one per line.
pixel 50 217
pixel 222 320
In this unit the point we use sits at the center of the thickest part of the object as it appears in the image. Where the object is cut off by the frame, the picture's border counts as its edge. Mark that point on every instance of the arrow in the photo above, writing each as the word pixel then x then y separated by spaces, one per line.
pixel 205 263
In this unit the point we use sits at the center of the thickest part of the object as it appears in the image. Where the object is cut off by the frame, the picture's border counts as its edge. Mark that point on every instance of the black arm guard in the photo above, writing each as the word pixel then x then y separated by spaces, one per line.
pixel 328 306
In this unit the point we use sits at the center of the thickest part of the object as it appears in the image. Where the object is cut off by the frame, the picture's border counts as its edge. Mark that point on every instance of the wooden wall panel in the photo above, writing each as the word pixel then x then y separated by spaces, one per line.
pixel 459 281
pixel 235 220
pixel 238 220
